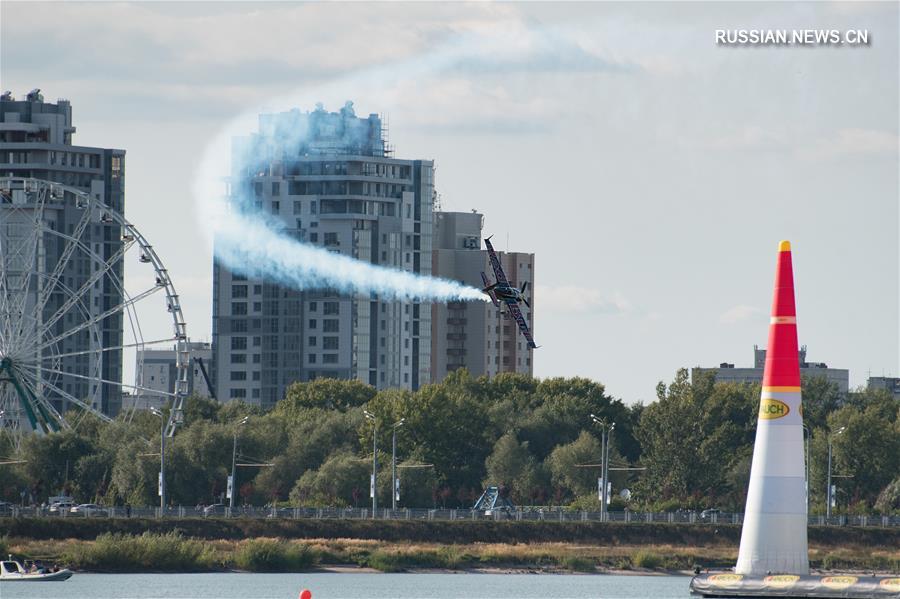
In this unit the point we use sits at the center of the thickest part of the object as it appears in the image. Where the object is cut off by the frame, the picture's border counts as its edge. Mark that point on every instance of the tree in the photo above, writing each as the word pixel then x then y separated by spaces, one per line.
pixel 511 464
pixel 334 483
pixel 325 393
pixel 563 465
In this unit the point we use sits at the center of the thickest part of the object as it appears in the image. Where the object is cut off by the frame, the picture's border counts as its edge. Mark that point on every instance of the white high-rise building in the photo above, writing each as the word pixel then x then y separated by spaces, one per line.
pixel 340 189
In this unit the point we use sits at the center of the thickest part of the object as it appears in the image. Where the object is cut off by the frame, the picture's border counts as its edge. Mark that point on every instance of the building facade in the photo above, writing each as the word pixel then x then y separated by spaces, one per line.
pixel 331 180
pixel 156 370
pixel 888 383
pixel 475 335
pixel 36 141
pixel 727 373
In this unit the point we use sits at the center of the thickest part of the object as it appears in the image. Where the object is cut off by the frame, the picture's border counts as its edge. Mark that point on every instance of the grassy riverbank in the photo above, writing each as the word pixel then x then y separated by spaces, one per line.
pixel 174 552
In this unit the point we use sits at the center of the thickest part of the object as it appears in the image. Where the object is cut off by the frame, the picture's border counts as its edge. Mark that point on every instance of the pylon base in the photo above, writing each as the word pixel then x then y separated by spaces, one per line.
pixel 846 586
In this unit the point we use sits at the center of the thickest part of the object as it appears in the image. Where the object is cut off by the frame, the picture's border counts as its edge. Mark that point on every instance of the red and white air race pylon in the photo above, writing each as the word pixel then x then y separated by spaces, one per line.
pixel 773 538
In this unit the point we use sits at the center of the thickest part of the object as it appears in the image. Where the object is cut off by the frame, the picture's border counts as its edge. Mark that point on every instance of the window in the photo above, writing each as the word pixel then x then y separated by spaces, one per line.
pixel 312 207
pixel 314 238
pixel 255 393
pixel 257 289
pixel 298 209
pixel 238 308
pixel 255 375
pixel 257 341
pixel 329 358
pixel 238 291
pixel 238 343
pixel 257 188
pixel 311 341
pixel 256 358
pixel 238 359
pixel 331 308
pixel 237 393
pixel 313 306
pixel 331 239
pixel 257 306
pixel 239 326
pixel 311 358
pixel 276 207
pixel 312 323
pixel 276 188
pixel 238 375
pixel 330 325
pixel 329 343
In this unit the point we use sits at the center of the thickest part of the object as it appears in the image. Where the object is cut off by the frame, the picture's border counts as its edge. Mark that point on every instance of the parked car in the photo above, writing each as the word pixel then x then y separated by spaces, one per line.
pixel 709 513
pixel 88 509
pixel 214 509
pixel 6 508
pixel 60 507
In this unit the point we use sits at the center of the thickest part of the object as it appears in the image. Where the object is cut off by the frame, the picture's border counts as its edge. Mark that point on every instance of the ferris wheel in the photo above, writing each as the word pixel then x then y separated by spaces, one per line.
pixel 67 319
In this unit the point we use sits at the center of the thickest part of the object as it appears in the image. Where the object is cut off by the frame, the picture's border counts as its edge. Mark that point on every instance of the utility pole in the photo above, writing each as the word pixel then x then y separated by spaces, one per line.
pixel 606 429
pixel 374 483
pixel 162 461
pixel 828 494
pixel 232 483
pixel 394 492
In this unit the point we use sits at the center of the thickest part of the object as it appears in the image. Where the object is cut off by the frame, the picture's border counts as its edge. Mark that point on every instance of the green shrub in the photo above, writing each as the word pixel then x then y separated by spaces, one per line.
pixel 577 564
pixel 168 552
pixel 386 561
pixel 273 555
pixel 646 559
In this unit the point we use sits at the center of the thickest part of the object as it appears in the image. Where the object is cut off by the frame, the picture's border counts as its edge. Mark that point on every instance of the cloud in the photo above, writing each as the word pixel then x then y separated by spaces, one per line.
pixel 740 313
pixel 579 300
pixel 849 142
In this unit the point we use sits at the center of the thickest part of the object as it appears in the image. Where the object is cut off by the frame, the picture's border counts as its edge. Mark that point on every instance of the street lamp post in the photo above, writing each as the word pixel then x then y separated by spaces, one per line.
pixel 828 494
pixel 162 461
pixel 606 429
pixel 374 483
pixel 233 481
pixel 397 425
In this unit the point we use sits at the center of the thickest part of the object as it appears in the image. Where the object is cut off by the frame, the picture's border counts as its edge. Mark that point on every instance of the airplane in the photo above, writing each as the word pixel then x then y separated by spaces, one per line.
pixel 502 291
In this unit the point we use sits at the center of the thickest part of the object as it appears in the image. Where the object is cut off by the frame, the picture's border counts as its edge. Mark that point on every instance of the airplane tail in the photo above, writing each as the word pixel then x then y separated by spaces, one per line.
pixel 489 289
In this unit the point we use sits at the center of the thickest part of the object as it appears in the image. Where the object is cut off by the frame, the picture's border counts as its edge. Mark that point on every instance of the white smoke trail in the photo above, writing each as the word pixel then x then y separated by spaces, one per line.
pixel 252 244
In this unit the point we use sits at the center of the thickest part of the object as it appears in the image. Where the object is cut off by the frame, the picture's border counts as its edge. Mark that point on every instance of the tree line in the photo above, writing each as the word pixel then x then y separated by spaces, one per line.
pixel 693 446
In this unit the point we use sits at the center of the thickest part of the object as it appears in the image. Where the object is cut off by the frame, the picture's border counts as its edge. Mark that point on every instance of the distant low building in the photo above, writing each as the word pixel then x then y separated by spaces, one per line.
pixel 727 373
pixel 887 383
pixel 156 374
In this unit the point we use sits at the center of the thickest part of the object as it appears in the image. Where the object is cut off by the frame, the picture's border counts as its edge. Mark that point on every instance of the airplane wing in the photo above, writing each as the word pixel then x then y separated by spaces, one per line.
pixel 523 326
pixel 495 264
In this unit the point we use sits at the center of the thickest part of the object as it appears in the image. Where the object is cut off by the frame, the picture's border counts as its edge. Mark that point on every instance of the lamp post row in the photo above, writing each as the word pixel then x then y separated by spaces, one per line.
pixel 373 485
pixel 607 429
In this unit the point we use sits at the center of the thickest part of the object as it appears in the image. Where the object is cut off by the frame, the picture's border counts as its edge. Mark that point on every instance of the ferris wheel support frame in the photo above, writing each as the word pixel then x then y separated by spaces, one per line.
pixel 40 413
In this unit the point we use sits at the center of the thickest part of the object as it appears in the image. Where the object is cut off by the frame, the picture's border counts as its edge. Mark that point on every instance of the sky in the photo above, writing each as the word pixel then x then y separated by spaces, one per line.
pixel 650 171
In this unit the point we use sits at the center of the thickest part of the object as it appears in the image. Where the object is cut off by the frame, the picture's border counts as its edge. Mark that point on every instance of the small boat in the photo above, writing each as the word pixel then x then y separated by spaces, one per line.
pixel 11 569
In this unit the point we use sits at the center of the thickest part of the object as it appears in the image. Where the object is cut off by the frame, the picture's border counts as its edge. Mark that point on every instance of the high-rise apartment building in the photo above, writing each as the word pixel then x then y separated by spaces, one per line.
pixel 334 185
pixel 476 335
pixel 36 142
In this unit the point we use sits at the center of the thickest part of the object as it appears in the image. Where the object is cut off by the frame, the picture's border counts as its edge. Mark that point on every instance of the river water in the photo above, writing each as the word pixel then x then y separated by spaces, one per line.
pixel 351 586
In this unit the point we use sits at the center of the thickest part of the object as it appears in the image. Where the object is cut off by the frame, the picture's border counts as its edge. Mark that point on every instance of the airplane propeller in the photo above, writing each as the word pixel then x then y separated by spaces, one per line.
pixel 522 293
